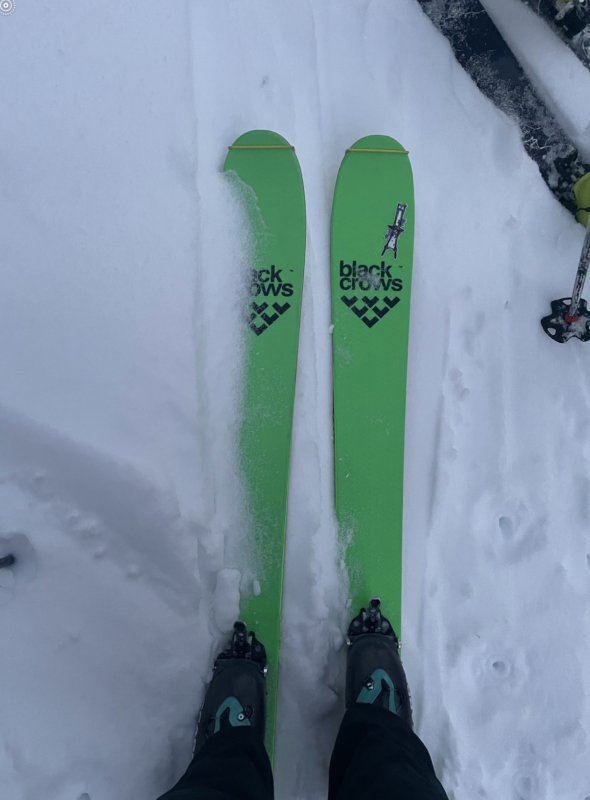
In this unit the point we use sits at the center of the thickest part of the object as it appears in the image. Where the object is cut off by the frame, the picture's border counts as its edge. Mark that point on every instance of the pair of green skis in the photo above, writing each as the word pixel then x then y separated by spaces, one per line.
pixel 371 267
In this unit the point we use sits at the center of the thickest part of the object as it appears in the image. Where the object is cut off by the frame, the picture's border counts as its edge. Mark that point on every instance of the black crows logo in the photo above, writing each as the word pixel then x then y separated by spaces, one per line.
pixel 267 283
pixel 376 278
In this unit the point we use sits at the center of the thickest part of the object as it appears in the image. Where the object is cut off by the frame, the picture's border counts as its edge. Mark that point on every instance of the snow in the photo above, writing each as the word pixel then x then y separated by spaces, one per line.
pixel 119 365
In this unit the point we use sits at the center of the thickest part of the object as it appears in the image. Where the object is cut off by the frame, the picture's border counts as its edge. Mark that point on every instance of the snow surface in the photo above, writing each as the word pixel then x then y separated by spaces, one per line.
pixel 118 372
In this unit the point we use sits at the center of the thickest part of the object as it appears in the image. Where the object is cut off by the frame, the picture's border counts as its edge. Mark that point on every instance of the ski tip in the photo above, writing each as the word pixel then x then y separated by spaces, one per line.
pixel 261 140
pixel 377 144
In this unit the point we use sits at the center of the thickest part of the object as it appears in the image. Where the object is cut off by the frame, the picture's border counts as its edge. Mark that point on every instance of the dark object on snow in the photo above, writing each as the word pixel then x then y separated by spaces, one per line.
pixel 562 326
pixel 7 561
pixel 480 49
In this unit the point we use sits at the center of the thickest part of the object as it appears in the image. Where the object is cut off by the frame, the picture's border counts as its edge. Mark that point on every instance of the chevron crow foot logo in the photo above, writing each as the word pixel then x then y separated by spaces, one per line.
pixel 258 330
pixel 370 305
pixel 259 310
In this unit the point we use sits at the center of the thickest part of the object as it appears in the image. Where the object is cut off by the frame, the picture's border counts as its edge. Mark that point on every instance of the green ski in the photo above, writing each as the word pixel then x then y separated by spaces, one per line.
pixel 371 263
pixel 266 170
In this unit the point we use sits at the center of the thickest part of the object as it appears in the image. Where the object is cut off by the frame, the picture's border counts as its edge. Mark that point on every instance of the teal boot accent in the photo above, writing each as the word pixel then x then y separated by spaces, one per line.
pixel 236 697
pixel 374 671
pixel 237 715
pixel 373 687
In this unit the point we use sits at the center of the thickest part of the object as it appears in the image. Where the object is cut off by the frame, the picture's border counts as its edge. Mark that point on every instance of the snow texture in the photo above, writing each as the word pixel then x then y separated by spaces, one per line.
pixel 121 243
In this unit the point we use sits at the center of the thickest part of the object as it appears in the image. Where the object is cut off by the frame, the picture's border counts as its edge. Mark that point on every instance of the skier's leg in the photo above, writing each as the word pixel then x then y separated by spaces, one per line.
pixel 232 765
pixel 377 754
pixel 230 761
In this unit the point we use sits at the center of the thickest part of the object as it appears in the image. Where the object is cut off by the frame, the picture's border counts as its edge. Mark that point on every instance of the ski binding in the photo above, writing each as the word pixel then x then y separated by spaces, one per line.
pixel 371 620
pixel 244 645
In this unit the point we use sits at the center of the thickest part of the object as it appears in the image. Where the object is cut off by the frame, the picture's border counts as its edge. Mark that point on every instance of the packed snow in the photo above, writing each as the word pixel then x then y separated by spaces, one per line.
pixel 120 369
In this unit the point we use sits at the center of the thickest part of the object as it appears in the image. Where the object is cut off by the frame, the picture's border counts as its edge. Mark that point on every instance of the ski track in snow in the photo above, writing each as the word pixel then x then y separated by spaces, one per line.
pixel 122 245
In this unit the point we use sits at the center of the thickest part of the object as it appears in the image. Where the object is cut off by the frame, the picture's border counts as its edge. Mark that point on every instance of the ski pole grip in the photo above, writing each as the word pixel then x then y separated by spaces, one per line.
pixel 582 195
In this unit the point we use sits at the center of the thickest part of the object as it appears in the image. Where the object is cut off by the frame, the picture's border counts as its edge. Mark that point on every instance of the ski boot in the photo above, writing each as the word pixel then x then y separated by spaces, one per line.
pixel 374 671
pixel 236 696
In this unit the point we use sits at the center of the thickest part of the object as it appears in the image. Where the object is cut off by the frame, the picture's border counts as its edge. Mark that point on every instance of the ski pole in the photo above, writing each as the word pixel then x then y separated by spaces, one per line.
pixel 569 316
pixel 572 314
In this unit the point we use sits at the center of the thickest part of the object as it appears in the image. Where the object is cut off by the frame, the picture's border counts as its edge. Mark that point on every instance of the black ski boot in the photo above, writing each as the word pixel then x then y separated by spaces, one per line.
pixel 237 693
pixel 374 671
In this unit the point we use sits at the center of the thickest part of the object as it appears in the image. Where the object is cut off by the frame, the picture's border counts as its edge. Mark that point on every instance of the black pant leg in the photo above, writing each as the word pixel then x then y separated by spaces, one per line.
pixel 231 765
pixel 377 755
